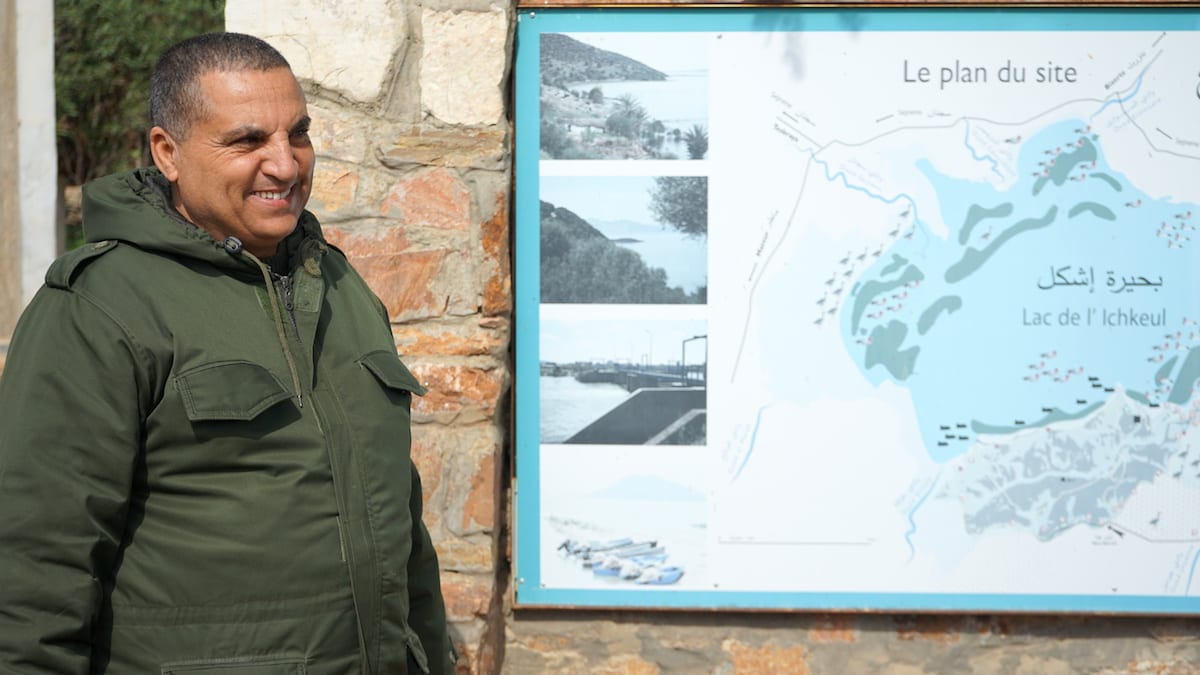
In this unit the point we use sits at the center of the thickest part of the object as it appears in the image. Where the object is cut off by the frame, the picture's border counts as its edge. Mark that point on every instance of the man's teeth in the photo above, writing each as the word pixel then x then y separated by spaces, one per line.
pixel 273 195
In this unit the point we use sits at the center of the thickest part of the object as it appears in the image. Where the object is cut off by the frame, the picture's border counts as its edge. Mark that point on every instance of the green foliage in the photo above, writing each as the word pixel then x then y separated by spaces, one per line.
pixel 554 139
pixel 621 125
pixel 592 269
pixel 682 203
pixel 104 51
pixel 696 139
pixel 596 95
pixel 627 119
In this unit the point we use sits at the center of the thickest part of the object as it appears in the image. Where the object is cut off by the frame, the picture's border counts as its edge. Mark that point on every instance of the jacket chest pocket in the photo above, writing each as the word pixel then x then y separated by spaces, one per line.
pixel 229 391
pixel 262 665
pixel 391 373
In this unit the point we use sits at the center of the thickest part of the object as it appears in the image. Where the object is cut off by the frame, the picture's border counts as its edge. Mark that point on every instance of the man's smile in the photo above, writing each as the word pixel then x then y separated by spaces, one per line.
pixel 274 195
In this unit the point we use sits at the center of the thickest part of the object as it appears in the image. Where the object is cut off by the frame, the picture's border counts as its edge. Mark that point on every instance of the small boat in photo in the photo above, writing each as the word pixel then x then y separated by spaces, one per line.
pixel 634 549
pixel 572 547
pixel 660 576
pixel 617 566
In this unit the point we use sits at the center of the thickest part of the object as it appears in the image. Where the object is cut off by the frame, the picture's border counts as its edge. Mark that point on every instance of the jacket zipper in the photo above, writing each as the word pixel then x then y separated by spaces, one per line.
pixel 272 296
pixel 288 297
pixel 289 303
pixel 285 293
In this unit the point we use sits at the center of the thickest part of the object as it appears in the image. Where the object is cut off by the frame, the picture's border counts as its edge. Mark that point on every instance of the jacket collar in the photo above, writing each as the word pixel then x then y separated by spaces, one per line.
pixel 135 208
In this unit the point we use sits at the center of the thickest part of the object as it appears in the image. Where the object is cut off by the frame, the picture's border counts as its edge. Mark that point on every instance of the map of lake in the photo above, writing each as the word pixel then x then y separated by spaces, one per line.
pixel 1036 301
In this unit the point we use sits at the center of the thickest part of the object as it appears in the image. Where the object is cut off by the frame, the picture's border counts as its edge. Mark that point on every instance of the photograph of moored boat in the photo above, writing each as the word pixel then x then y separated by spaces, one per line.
pixel 624 517
pixel 641 562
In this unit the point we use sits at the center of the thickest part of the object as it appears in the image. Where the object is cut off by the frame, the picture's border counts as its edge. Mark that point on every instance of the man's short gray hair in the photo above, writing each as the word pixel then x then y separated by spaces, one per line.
pixel 176 101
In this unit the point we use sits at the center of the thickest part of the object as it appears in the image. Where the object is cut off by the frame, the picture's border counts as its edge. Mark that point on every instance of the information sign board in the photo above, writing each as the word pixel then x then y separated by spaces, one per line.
pixel 870 309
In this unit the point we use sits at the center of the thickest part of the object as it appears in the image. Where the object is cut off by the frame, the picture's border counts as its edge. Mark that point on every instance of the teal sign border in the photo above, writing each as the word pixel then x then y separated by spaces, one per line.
pixel 526 498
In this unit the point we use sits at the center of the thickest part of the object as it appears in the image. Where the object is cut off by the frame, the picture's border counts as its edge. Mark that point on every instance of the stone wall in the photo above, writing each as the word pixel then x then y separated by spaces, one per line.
pixel 414 182
pixel 731 643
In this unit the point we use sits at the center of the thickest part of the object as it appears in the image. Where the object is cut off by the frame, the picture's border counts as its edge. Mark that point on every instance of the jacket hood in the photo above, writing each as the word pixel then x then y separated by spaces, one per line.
pixel 134 207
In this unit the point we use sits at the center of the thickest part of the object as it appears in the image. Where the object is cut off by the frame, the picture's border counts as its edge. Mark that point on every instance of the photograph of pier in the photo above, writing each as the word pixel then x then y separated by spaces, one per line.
pixel 624 382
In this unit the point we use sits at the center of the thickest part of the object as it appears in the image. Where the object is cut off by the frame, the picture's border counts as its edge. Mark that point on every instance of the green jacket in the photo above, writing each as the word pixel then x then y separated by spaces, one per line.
pixel 205 467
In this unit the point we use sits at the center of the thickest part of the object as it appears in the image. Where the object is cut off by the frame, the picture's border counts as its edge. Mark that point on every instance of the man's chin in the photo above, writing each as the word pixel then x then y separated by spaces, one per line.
pixel 276 227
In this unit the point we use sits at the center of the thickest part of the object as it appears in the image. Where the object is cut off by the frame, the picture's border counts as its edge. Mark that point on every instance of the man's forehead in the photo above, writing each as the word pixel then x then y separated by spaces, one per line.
pixel 250 83
pixel 242 98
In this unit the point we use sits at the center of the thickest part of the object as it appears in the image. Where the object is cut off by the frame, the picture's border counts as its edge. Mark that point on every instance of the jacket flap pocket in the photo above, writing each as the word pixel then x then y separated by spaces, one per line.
pixel 229 390
pixel 263 665
pixel 391 372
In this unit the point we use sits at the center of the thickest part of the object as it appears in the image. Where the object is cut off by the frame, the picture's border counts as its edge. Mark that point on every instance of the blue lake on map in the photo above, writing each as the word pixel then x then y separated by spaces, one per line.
pixel 961 321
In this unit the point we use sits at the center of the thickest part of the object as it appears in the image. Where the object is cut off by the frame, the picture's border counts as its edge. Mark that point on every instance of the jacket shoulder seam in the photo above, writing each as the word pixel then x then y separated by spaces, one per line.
pixel 63 271
pixel 142 354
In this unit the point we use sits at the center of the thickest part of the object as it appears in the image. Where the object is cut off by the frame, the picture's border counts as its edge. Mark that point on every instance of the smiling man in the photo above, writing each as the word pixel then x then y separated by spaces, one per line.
pixel 204 426
pixel 244 167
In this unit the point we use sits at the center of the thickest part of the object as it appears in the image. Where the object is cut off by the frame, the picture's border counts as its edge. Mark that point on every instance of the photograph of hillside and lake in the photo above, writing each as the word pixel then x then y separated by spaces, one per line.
pixel 624 96
pixel 624 239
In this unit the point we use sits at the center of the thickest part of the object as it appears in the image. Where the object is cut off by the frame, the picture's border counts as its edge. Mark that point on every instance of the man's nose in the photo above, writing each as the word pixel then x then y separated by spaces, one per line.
pixel 279 161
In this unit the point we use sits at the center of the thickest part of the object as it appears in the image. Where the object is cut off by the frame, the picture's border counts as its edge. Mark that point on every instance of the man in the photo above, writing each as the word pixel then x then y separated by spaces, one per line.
pixel 204 426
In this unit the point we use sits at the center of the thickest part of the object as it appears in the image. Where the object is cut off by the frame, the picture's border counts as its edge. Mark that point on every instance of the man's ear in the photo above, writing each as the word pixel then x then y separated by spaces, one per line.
pixel 163 148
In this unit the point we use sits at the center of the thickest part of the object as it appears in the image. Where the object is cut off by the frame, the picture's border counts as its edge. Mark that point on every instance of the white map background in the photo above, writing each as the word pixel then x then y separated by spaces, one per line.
pixel 895 405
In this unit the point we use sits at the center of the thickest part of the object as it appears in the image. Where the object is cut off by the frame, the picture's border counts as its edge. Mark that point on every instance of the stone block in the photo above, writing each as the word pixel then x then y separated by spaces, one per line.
pixel 767 658
pixel 519 658
pixel 943 630
pixel 467 501
pixel 459 394
pixel 479 509
pixel 472 148
pixel 467 596
pixel 626 664
pixel 403 278
pixel 477 338
pixel 347 47
pixel 463 65
pixel 835 628
pixel 468 659
pixel 546 642
pixel 434 198
pixel 334 188
pixel 1152 665
pixel 426 455
pixel 337 133
pixel 494 236
pixel 471 554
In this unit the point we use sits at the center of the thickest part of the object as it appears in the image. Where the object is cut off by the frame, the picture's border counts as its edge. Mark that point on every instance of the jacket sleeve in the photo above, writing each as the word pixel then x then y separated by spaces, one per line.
pixel 427 611
pixel 69 439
